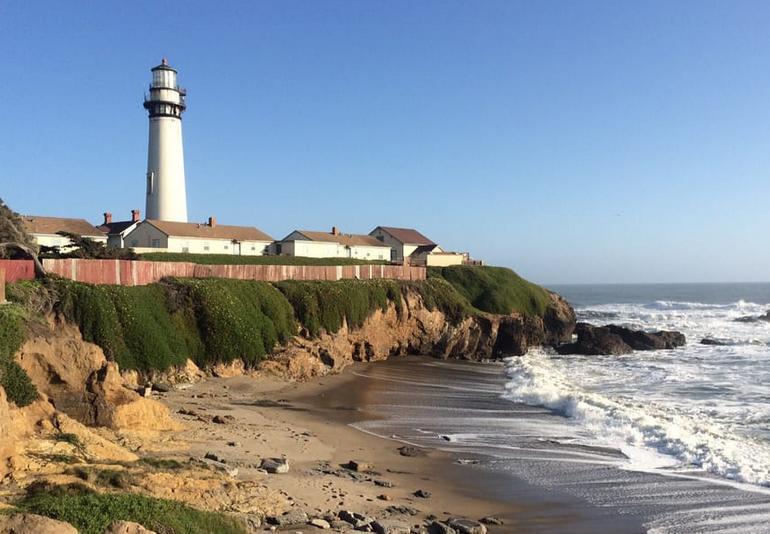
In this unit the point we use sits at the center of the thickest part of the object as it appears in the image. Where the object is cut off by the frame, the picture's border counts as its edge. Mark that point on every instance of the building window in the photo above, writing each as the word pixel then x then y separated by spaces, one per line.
pixel 205 246
pixel 253 248
pixel 227 247
pixel 156 243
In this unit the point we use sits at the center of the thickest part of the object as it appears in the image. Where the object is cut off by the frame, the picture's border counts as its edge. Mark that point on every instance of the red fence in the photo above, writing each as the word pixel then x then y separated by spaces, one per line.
pixel 16 270
pixel 138 273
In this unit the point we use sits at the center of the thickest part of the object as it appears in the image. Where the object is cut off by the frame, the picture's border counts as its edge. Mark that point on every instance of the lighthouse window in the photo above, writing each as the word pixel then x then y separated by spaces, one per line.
pixel 150 182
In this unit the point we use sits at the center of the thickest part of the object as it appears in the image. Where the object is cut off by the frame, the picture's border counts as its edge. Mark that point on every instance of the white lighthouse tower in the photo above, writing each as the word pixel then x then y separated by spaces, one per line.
pixel 166 196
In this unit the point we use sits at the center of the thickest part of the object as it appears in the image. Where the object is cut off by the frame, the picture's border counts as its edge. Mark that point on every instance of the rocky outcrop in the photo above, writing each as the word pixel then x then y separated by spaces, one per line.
pixel 76 378
pixel 7 446
pixel 34 524
pixel 613 339
pixel 420 330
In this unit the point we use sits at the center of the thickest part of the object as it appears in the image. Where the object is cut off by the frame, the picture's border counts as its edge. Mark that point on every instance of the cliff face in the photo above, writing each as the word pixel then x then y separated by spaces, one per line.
pixel 420 330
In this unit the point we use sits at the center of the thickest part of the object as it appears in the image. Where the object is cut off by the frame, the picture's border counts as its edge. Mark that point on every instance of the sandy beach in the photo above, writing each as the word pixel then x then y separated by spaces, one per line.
pixel 310 425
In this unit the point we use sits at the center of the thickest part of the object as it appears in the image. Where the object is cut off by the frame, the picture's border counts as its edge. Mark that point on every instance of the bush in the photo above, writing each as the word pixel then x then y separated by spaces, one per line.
pixel 494 289
pixel 14 380
pixel 229 259
pixel 326 305
pixel 92 513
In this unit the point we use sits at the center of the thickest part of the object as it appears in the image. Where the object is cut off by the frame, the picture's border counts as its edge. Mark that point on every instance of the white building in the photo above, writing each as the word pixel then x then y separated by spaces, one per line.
pixel 195 238
pixel 117 231
pixel 332 244
pixel 409 246
pixel 45 230
pixel 166 193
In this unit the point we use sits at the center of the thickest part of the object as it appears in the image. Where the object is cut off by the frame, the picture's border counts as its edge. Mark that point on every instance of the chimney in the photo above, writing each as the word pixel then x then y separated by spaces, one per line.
pixel 212 221
pixel 135 215
pixel 335 230
pixel 107 217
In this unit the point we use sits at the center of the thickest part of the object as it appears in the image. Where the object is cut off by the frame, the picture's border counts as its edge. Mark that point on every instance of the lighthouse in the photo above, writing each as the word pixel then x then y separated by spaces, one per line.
pixel 166 195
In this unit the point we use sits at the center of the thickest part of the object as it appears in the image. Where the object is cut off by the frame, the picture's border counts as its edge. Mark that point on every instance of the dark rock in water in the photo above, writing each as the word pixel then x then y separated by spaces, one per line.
pixel 754 318
pixel 712 341
pixel 613 339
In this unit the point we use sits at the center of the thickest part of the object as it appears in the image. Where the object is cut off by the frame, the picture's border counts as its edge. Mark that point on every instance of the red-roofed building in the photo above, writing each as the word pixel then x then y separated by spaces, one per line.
pixel 407 245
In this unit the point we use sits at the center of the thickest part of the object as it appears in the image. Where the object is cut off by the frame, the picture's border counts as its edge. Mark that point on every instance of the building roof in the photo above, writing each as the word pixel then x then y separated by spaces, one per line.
pixel 34 224
pixel 349 240
pixel 115 228
pixel 408 236
pixel 204 231
pixel 163 66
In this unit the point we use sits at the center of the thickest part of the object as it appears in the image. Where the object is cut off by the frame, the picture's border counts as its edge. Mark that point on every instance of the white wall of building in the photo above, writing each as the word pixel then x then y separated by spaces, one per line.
pixel 325 249
pixel 148 236
pixel 55 240
pixel 396 247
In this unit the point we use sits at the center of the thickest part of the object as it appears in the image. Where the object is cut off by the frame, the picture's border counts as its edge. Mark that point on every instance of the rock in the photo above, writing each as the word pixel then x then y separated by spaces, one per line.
pixel 490 520
pixel 615 340
pixel 214 456
pixel 410 451
pixel 383 483
pixel 161 388
pixel 275 465
pixel 384 526
pixel 33 524
pixel 222 419
pixel 714 341
pixel 754 318
pixel 383 497
pixel 221 466
pixel 422 494
pixel 467 526
pixel 234 444
pixel 360 467
pixel 320 523
pixel 402 510
pixel 295 516
pixel 437 527
pixel 145 391
pixel 127 527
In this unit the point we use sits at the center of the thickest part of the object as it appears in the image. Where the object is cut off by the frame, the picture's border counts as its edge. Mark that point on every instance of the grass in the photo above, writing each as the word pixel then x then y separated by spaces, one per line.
pixel 228 259
pixel 92 513
pixel 327 306
pixel 438 294
pixel 14 380
pixel 494 289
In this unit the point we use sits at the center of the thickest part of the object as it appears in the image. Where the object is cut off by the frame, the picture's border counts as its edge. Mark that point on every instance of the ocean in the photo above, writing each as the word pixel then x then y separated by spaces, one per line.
pixel 660 441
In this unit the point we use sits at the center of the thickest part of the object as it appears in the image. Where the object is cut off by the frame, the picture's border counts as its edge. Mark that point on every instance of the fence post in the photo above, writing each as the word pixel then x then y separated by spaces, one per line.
pixel 2 285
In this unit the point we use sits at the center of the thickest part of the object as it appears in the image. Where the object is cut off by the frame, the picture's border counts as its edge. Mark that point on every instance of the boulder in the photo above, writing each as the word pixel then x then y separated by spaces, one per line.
pixel 295 516
pixel 614 340
pixel 118 407
pixel 467 526
pixel 714 341
pixel 437 527
pixel 422 494
pixel 33 524
pixel 358 466
pixel 384 526
pixel 275 465
pixel 127 527
pixel 320 523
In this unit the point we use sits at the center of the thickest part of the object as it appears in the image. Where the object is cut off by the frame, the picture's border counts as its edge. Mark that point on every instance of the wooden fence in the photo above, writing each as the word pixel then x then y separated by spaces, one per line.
pixel 138 273
pixel 16 270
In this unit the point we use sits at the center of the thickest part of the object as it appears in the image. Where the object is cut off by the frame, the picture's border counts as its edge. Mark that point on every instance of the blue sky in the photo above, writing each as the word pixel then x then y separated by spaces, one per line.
pixel 572 141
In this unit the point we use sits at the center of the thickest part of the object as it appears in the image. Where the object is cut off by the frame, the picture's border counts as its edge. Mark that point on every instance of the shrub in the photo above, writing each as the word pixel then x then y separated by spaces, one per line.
pixel 494 289
pixel 229 259
pixel 326 305
pixel 14 380
pixel 92 513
